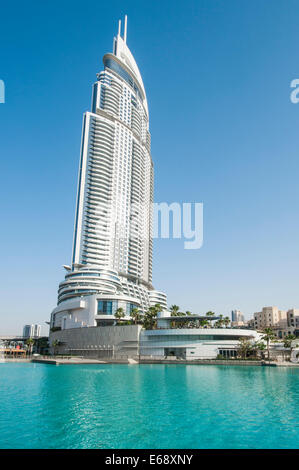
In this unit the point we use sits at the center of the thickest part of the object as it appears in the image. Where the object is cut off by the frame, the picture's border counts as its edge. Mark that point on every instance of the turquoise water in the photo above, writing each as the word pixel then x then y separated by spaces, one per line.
pixel 148 406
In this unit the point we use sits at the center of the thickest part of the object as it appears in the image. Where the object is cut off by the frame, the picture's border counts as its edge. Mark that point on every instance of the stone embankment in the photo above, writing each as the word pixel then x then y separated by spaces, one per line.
pixel 82 360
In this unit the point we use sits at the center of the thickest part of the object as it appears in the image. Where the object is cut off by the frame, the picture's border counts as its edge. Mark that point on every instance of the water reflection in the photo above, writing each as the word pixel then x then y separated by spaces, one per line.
pixel 148 406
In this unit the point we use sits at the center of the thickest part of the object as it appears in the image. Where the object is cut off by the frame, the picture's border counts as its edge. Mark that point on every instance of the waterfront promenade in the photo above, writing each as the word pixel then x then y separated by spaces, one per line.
pixel 73 360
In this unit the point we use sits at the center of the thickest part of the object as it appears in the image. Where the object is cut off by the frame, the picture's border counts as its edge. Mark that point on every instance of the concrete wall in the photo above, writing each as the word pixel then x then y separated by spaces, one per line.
pixel 96 342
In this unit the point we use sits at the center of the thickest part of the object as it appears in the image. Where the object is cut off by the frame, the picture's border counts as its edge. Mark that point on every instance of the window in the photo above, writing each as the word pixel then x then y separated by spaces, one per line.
pixel 130 308
pixel 107 307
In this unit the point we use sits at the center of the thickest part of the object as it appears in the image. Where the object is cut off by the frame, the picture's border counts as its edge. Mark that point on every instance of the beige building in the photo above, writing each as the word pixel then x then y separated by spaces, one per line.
pixel 293 318
pixel 292 324
pixel 270 317
pixel 250 323
pixel 283 323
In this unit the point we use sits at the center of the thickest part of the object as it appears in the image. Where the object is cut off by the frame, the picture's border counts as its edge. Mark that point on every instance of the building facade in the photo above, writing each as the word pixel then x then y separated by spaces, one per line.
pixel 238 318
pixel 113 342
pixel 32 331
pixel 270 317
pixel 293 318
pixel 194 343
pixel 283 323
pixel 131 341
pixel 112 249
pixel 292 325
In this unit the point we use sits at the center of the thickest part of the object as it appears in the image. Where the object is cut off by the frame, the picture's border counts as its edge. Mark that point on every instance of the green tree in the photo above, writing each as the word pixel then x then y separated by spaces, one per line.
pixel 268 337
pixel 204 323
pixel 150 317
pixel 244 347
pixel 136 316
pixel 175 310
pixel 226 321
pixel 42 345
pixel 55 344
pixel 119 314
pixel 259 347
pixel 288 342
pixel 210 315
pixel 158 308
pixel 30 342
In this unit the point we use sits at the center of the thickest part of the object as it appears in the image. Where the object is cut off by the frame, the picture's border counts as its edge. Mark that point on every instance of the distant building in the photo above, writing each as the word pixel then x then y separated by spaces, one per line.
pixel 237 318
pixel 250 324
pixel 293 318
pixel 270 317
pixel 282 322
pixel 292 324
pixel 32 331
pixel 37 331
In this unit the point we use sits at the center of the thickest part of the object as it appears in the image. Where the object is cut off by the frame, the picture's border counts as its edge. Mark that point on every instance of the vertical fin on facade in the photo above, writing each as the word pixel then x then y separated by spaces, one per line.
pixel 125 30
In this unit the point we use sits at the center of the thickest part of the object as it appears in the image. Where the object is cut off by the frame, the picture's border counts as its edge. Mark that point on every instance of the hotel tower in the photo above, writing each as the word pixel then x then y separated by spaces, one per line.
pixel 112 249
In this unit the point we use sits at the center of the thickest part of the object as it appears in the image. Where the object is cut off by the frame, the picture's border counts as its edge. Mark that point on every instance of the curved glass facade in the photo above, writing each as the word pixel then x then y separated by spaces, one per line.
pixel 113 65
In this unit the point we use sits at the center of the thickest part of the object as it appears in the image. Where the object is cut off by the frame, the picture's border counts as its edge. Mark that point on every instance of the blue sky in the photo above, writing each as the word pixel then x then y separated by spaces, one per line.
pixel 224 132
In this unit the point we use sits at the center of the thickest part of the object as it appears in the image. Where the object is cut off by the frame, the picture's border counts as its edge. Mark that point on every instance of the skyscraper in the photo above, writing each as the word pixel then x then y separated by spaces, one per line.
pixel 112 249
pixel 237 317
pixel 31 331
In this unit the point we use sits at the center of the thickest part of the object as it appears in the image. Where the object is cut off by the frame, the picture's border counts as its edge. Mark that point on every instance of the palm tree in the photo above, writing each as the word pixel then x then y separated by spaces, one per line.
pixel 30 343
pixel 204 323
pixel 174 310
pixel 288 341
pixel 226 321
pixel 158 308
pixel 42 345
pixel 210 314
pixel 119 314
pixel 219 323
pixel 149 319
pixel 268 336
pixel 55 344
pixel 259 346
pixel 135 314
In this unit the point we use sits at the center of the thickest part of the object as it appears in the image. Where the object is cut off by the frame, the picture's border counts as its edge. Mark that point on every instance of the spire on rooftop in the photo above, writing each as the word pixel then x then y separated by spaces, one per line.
pixel 125 29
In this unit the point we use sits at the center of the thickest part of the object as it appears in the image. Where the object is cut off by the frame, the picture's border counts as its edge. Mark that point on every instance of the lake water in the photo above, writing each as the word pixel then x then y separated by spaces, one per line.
pixel 148 406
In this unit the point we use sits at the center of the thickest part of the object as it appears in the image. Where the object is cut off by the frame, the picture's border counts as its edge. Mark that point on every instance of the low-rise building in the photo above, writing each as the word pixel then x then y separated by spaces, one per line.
pixel 282 322
pixel 250 324
pixel 270 317
pixel 174 336
pixel 293 318
pixel 194 343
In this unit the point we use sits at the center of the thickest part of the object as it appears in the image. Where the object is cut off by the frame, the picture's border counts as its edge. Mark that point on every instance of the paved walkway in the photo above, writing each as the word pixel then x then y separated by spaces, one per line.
pixel 81 360
pixel 287 364
pixel 72 360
